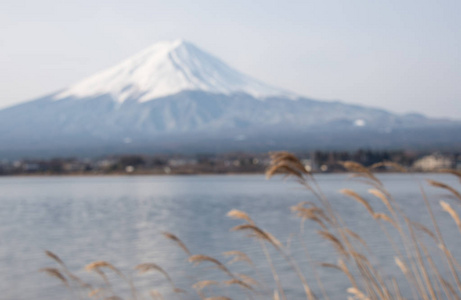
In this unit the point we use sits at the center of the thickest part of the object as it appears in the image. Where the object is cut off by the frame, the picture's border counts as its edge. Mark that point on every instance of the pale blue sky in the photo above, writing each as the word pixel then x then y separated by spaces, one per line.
pixel 399 55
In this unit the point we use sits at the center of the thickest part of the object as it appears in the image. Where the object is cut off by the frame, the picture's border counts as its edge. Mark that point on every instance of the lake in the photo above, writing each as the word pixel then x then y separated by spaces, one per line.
pixel 120 220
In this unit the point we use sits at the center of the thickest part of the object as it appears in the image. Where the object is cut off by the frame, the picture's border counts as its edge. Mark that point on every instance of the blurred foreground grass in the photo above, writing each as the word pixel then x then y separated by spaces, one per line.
pixel 424 278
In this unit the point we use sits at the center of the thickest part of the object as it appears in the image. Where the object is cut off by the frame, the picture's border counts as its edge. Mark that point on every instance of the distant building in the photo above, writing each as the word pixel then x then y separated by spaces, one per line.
pixel 432 162
pixel 178 162
pixel 30 167
pixel 308 164
pixel 73 167
pixel 458 164
pixel 105 164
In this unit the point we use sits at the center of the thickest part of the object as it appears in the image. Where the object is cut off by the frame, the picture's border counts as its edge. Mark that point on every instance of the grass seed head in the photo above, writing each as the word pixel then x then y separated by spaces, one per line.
pixel 238 256
pixel 204 283
pixel 359 199
pixel 175 239
pixel 53 272
pixel 239 215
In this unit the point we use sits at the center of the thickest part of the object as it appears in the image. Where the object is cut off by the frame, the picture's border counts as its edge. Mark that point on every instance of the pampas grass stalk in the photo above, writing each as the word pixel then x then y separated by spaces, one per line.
pixel 353 255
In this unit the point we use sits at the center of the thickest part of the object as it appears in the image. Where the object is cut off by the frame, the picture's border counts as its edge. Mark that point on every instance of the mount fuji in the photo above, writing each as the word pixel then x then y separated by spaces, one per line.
pixel 175 97
pixel 165 69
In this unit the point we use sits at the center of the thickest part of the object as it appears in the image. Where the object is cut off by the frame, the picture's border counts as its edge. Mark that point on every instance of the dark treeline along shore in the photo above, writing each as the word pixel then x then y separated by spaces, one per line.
pixel 227 163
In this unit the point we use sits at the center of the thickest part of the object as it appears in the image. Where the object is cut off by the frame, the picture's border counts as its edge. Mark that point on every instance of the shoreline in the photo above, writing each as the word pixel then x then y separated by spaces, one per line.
pixel 140 174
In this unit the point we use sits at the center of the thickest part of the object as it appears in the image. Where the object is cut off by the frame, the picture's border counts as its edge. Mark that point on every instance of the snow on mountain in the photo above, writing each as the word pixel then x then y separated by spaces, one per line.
pixel 175 97
pixel 167 68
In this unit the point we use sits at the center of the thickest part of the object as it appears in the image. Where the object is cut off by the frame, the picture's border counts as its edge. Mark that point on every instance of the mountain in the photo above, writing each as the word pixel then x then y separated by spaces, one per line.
pixel 175 97
pixel 165 69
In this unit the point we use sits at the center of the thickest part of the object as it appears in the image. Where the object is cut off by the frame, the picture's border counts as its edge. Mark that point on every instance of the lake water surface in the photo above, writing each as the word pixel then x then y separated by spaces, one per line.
pixel 120 220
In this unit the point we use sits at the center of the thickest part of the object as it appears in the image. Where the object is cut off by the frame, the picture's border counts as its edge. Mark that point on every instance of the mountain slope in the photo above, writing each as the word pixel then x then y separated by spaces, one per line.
pixel 175 97
pixel 165 69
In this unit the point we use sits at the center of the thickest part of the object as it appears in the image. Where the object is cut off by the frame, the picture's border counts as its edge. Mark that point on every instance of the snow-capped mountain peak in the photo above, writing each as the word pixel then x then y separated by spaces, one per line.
pixel 167 68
